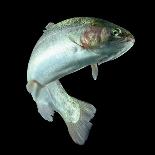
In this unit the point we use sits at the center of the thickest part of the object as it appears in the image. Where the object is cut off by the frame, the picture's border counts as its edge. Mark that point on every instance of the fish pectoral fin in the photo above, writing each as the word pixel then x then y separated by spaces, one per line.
pixel 73 40
pixel 79 130
pixel 103 60
pixel 94 68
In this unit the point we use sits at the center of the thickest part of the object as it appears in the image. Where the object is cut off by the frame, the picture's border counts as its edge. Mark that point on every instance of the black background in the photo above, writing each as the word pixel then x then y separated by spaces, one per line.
pixel 117 94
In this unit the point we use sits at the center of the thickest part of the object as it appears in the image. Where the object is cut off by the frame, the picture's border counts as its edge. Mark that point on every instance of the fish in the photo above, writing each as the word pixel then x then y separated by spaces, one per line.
pixel 64 48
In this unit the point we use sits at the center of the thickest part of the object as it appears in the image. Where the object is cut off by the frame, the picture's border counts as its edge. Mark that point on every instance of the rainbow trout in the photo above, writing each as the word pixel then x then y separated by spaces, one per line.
pixel 64 48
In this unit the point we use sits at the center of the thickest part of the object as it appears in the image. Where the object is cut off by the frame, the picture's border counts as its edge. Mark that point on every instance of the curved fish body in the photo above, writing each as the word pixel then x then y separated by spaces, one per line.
pixel 64 48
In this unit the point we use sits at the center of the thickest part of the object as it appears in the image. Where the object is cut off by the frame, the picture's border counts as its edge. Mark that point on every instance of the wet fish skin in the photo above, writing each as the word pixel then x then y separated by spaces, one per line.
pixel 64 48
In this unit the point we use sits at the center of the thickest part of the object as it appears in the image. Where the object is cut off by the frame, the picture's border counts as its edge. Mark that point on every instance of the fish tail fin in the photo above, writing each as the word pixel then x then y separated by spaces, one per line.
pixel 79 131
pixel 52 98
pixel 42 99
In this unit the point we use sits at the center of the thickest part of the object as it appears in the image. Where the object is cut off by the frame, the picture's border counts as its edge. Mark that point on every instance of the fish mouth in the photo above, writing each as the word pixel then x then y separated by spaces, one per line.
pixel 127 39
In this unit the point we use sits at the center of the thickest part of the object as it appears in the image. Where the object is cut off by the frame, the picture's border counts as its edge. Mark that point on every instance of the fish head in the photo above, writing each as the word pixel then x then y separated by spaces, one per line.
pixel 118 41
pixel 107 40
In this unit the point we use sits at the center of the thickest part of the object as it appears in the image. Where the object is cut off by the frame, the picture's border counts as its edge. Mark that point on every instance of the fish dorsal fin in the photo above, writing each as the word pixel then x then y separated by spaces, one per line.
pixel 49 26
pixel 94 71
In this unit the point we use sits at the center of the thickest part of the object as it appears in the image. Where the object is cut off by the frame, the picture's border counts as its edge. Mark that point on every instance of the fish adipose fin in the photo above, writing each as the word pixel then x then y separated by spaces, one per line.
pixel 94 71
pixel 42 98
pixel 79 131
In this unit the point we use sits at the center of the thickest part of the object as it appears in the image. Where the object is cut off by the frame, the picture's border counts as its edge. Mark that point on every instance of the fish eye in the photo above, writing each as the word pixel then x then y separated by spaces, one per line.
pixel 116 32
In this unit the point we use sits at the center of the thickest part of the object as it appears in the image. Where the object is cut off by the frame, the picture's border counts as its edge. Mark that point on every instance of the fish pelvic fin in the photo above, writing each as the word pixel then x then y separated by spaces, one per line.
pixel 79 131
pixel 94 71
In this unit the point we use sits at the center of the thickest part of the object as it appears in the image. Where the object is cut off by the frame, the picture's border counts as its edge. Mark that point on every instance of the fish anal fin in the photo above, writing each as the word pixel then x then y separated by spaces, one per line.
pixel 45 104
pixel 42 98
pixel 45 111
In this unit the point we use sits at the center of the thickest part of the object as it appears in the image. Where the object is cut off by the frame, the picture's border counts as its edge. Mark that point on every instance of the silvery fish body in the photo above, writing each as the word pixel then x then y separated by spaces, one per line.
pixel 64 48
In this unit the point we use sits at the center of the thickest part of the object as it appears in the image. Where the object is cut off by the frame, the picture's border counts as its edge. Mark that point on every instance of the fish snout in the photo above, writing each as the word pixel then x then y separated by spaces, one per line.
pixel 130 38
